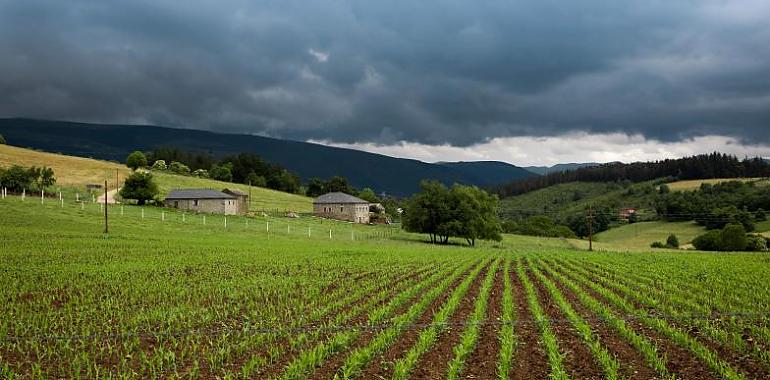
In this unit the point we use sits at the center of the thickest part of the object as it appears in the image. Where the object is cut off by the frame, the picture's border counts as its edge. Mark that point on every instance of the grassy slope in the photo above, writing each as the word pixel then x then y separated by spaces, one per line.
pixel 694 184
pixel 639 236
pixel 563 200
pixel 70 171
pixel 76 172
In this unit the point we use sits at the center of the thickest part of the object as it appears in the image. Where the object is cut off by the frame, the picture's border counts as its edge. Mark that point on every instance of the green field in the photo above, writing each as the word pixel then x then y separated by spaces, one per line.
pixel 163 297
pixel 639 236
pixel 695 184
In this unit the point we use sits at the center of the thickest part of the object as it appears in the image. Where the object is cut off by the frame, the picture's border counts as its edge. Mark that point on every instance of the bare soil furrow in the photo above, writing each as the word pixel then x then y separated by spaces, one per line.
pixel 382 366
pixel 578 360
pixel 530 360
pixel 681 361
pixel 434 363
pixel 632 364
pixel 482 363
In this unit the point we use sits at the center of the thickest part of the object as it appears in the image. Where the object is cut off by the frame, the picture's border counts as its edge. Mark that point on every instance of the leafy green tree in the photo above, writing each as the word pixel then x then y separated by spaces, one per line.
pixel 256 180
pixel 179 168
pixel 139 186
pixel 368 194
pixel 428 211
pixel 159 165
pixel 221 173
pixel 338 184
pixel 315 187
pixel 734 238
pixel 201 173
pixel 17 178
pixel 136 160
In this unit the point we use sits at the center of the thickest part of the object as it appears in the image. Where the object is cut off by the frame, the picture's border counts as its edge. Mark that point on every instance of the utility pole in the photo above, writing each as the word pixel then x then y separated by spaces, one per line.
pixel 106 228
pixel 590 221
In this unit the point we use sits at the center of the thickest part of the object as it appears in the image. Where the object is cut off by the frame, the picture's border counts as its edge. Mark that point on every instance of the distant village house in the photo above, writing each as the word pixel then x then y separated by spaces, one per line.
pixel 342 206
pixel 203 200
pixel 242 198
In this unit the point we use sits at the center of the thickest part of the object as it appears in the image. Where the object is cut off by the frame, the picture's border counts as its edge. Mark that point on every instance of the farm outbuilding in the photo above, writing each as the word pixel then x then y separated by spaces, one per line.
pixel 243 200
pixel 203 200
pixel 342 206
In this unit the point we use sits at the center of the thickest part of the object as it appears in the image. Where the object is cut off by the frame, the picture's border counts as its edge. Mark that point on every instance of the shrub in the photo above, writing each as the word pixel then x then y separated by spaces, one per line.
pixel 18 178
pixel 710 241
pixel 756 243
pixel 179 168
pixel 2 140
pixel 159 165
pixel 221 173
pixel 136 160
pixel 760 216
pixel 657 244
pixel 672 241
pixel 201 173
pixel 734 238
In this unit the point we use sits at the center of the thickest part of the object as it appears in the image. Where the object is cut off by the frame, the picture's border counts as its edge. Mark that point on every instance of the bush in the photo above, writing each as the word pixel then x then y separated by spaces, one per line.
pixel 201 173
pixel 139 186
pixel 672 241
pixel 538 226
pixel 710 241
pixel 136 160
pixel 159 165
pixel 756 243
pixel 2 140
pixel 18 178
pixel 734 238
pixel 179 168
pixel 657 244
pixel 221 173
pixel 760 216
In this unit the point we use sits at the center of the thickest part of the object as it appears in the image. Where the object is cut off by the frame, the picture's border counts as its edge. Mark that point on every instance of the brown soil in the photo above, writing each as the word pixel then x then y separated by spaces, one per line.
pixel 274 369
pixel 579 362
pixel 482 362
pixel 680 361
pixel 331 366
pixel 382 365
pixel 744 362
pixel 434 364
pixel 632 363
pixel 530 358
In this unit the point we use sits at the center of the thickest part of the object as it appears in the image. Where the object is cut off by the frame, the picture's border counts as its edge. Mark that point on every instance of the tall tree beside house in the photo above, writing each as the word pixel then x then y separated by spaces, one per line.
pixel 139 186
pixel 368 194
pixel 315 187
pixel 462 211
pixel 136 160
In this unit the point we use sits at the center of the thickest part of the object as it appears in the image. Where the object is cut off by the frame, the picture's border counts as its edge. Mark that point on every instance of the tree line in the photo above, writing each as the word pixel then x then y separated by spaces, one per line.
pixel 245 168
pixel 714 165
pixel 19 178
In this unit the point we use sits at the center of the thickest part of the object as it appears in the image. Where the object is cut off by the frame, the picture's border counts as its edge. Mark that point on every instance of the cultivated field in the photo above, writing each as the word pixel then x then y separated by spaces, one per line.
pixel 166 298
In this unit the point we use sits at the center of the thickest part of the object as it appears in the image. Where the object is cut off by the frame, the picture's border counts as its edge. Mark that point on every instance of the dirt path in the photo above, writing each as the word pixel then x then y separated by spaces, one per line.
pixel 110 197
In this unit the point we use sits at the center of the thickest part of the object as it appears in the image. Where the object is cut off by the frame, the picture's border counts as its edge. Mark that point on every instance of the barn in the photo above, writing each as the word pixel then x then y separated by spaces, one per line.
pixel 242 200
pixel 342 206
pixel 202 200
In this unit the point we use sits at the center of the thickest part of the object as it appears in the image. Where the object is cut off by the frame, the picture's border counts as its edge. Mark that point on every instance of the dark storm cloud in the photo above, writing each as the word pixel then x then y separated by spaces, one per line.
pixel 358 71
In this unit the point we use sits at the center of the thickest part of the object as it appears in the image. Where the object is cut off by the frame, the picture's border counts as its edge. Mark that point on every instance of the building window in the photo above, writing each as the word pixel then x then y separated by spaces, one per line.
pixel 195 202
pixel 176 204
pixel 342 209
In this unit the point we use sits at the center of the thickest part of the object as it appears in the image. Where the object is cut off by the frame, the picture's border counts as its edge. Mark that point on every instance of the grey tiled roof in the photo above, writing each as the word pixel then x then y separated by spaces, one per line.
pixel 338 198
pixel 198 194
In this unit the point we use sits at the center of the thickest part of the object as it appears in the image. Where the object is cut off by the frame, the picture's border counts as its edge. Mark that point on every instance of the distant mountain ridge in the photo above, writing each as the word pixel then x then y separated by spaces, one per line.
pixel 384 174
pixel 543 170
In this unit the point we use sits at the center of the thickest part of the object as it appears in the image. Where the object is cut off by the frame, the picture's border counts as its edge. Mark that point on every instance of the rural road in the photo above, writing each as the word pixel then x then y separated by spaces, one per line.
pixel 110 197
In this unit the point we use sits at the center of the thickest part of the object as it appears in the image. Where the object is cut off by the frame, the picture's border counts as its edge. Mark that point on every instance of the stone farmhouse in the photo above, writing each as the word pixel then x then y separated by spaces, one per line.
pixel 203 200
pixel 243 200
pixel 342 206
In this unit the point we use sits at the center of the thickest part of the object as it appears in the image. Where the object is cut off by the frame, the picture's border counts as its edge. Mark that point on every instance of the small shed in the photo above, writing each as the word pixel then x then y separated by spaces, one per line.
pixel 242 199
pixel 202 200
pixel 342 206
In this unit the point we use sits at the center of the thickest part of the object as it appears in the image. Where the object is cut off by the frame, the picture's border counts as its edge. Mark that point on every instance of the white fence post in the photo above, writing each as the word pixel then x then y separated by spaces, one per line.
pixel 162 216
pixel 42 196
pixel 225 221
pixel 288 228
pixel 204 220
pixel 142 212
pixel 77 197
pixel 121 210
pixel 183 214
pixel 23 194
pixel 330 234
pixel 267 226
pixel 308 232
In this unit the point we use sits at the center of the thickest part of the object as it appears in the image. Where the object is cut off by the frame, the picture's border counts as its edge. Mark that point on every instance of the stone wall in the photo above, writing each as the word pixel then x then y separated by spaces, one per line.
pixel 211 206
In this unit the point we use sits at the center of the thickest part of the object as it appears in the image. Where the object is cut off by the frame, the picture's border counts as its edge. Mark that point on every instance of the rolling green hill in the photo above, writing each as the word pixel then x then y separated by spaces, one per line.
pixel 639 236
pixel 561 201
pixel 76 172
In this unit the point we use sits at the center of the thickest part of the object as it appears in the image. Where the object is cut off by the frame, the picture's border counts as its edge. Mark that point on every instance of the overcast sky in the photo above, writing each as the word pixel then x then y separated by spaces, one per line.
pixel 523 81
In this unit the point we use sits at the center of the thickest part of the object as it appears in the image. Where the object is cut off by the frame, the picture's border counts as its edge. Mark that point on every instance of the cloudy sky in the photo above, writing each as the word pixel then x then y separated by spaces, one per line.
pixel 523 81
